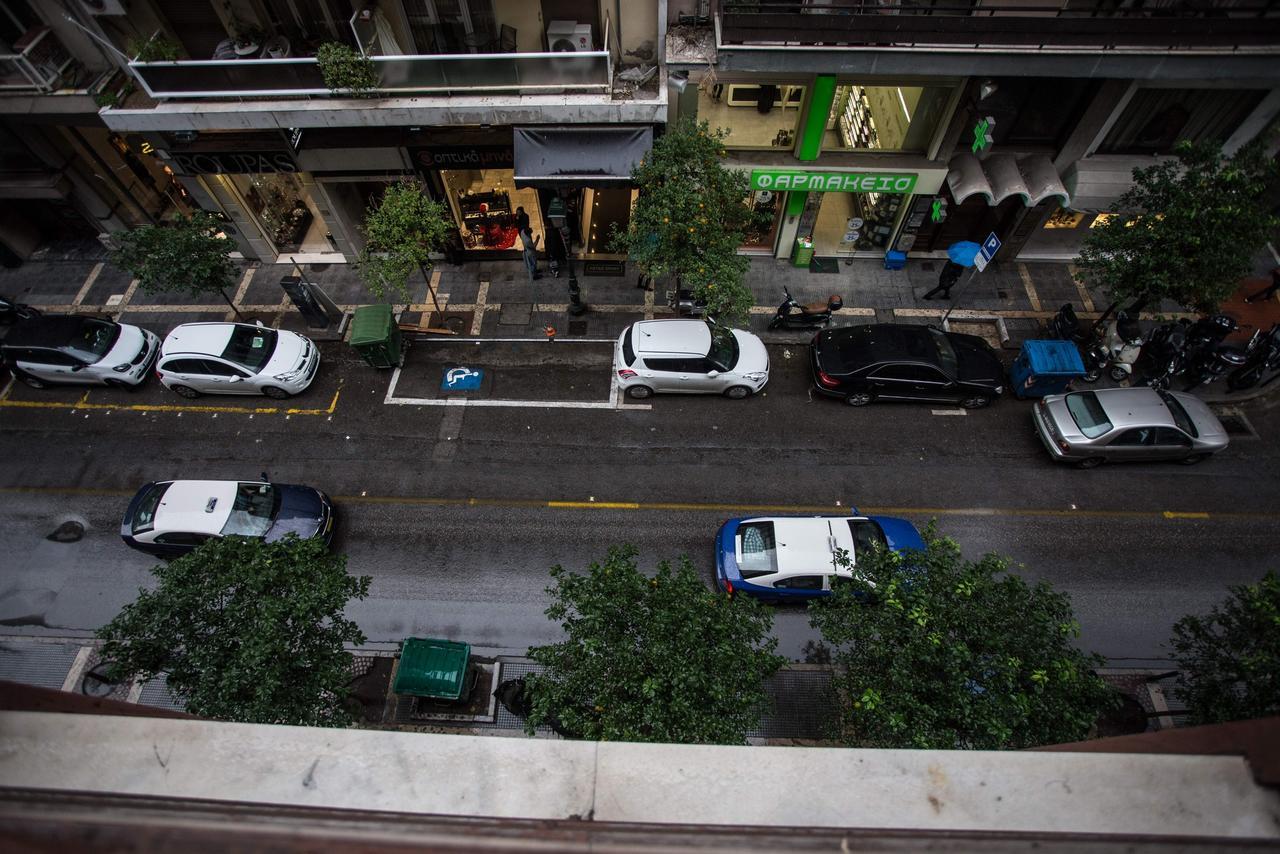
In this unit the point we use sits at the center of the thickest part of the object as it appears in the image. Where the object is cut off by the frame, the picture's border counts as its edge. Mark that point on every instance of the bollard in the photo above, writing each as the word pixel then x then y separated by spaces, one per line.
pixel 550 332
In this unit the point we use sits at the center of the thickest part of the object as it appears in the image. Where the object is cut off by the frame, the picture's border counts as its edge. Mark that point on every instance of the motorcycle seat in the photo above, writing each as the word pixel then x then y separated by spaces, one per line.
pixel 815 308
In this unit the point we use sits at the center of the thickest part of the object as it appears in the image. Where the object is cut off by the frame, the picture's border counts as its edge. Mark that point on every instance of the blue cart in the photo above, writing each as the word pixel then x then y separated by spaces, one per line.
pixel 1045 367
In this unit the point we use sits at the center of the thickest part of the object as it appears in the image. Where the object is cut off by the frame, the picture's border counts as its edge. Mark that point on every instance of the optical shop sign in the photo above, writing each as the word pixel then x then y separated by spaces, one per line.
pixel 832 182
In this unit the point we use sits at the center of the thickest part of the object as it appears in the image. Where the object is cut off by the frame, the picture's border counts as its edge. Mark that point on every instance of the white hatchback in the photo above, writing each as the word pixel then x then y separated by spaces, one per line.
pixel 690 357
pixel 236 358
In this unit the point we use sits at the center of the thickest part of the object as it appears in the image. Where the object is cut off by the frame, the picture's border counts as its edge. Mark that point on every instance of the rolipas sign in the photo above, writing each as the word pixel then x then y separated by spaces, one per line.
pixel 832 182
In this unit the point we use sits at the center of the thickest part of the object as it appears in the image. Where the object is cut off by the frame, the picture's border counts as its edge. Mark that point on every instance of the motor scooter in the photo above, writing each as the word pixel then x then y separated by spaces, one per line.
pixel 1164 356
pixel 1066 326
pixel 1261 356
pixel 1213 361
pixel 1118 347
pixel 682 302
pixel 793 315
pixel 11 311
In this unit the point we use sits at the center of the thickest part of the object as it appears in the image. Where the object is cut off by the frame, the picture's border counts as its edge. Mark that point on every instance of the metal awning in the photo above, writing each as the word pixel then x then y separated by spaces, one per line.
pixel 1096 183
pixel 578 156
pixel 1003 176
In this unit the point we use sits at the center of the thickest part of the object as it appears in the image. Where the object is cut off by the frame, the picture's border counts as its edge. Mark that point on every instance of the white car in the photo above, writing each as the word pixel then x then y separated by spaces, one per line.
pixel 236 358
pixel 53 350
pixel 689 357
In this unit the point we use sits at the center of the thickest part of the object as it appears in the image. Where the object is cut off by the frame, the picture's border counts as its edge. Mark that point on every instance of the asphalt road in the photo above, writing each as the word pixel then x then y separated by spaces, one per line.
pixel 458 512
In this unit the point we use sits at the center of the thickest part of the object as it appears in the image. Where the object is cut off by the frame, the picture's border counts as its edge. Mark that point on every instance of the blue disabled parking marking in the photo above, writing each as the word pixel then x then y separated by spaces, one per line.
pixel 461 379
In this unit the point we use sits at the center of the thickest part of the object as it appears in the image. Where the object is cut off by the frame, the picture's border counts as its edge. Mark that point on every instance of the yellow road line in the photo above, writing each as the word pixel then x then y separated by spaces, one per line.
pixel 1169 514
pixel 83 403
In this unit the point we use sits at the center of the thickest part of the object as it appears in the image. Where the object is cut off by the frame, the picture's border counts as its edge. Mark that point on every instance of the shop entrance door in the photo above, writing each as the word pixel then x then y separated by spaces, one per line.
pixel 610 209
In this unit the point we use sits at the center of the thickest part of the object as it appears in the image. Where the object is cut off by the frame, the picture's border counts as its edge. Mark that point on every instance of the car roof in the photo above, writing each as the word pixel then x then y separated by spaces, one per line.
pixel 1138 406
pixel 57 330
pixel 183 507
pixel 802 545
pixel 205 338
pixel 882 342
pixel 688 337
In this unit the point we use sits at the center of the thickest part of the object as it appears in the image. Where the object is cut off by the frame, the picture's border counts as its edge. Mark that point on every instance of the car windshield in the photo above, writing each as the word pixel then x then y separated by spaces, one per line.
pixel 144 518
pixel 250 346
pixel 1180 415
pixel 1087 411
pixel 724 348
pixel 946 353
pixel 758 549
pixel 255 508
pixel 93 339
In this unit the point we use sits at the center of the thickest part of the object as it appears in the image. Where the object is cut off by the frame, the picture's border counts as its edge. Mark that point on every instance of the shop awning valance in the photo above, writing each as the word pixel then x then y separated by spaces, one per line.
pixel 1003 176
pixel 1096 183
pixel 578 156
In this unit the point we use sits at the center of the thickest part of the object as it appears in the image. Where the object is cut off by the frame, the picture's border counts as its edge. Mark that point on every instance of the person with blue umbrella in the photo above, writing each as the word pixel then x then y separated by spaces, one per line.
pixel 959 257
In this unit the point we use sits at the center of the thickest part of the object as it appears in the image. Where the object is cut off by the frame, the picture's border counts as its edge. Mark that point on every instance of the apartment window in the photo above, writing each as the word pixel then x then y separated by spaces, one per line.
pixel 1155 120
pixel 884 117
pixel 757 114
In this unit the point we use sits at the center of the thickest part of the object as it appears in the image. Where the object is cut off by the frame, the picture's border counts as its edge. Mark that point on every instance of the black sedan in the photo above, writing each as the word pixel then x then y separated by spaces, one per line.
pixel 892 361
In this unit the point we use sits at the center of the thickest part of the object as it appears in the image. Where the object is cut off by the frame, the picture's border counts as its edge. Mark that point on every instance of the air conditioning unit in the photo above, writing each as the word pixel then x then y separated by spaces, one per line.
pixel 569 37
pixel 104 7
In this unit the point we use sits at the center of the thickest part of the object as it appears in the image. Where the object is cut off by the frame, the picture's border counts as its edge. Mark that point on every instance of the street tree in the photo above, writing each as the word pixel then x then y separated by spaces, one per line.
pixel 403 229
pixel 1187 230
pixel 1230 657
pixel 187 255
pixel 690 218
pixel 245 631
pixel 658 659
pixel 933 651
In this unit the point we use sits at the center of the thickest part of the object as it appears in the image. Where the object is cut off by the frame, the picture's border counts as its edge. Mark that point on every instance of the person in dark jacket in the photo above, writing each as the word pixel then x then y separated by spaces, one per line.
pixel 946 281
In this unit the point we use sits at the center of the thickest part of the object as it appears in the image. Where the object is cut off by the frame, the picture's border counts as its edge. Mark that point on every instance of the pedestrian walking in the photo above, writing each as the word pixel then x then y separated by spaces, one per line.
pixel 529 246
pixel 946 281
pixel 522 220
pixel 1270 290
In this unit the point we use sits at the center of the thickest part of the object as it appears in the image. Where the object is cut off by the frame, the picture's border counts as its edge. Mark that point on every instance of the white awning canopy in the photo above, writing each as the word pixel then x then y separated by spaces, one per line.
pixel 1096 183
pixel 1003 176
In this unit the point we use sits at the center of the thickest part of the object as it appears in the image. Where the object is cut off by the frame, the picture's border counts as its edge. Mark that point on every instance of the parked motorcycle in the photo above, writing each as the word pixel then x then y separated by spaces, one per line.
pixel 1066 326
pixel 1211 363
pixel 11 311
pixel 1117 347
pixel 1164 356
pixel 1261 357
pixel 793 315
pixel 682 301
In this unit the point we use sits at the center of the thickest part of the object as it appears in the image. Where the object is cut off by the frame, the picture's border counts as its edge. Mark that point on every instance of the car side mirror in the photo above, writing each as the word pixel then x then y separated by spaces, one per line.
pixel 235 379
pixel 713 374
pixel 77 367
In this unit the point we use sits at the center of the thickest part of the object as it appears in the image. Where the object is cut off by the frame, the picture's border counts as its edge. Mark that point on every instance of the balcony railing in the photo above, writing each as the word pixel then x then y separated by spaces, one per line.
pixel 37 64
pixel 446 74
pixel 1069 23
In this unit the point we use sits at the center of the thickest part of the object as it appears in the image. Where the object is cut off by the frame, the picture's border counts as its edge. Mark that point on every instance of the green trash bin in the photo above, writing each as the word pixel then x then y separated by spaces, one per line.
pixel 375 336
pixel 803 252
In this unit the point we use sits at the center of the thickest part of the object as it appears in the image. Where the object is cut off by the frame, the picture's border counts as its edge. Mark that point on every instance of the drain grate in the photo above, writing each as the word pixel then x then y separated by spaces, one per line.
pixel 1234 422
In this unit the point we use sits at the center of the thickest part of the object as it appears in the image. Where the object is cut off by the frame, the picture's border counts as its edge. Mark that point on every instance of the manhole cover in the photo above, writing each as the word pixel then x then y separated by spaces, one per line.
pixel 577 327
pixel 1234 422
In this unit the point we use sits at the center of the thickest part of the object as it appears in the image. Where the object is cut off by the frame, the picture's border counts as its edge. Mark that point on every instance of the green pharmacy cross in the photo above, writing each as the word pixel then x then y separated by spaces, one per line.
pixel 982 134
pixel 938 211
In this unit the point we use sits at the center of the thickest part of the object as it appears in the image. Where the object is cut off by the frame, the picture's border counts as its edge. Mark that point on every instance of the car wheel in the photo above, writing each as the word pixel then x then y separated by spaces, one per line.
pixel 1118 374
pixel 639 392
pixel 1089 463
pixel 1193 459
pixel 275 392
pixel 184 391
pixel 859 398
pixel 737 392
pixel 33 381
pixel 1091 376
pixel 976 402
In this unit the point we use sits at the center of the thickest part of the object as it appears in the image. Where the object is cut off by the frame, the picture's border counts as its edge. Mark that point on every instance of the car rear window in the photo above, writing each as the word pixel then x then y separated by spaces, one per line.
pixel 144 518
pixel 1180 415
pixel 758 550
pixel 1086 410
pixel 628 351
pixel 251 346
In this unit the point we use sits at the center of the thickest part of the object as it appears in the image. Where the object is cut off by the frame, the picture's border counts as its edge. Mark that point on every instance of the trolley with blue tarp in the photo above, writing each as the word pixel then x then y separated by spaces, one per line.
pixel 1045 367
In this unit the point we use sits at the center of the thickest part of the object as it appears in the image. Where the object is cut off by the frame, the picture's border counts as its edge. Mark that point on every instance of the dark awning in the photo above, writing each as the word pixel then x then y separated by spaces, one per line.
pixel 578 156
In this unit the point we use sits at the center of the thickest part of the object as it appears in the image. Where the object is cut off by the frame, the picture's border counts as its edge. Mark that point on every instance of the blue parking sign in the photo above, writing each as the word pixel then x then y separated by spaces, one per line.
pixel 990 246
pixel 461 379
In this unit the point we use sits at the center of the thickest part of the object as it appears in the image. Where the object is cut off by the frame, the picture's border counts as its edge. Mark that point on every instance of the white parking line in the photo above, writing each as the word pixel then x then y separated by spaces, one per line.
pixel 612 403
pixel 948 412
pixel 88 283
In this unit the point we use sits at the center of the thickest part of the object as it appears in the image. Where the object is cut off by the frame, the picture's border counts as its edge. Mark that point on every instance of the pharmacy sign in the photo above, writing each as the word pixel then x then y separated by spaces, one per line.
pixel 832 182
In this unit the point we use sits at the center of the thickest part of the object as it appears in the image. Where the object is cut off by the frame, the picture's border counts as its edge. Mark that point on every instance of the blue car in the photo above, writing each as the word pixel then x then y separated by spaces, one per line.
pixel 792 558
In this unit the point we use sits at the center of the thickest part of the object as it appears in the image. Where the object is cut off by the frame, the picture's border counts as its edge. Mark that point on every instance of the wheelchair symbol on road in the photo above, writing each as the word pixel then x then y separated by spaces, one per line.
pixel 461 379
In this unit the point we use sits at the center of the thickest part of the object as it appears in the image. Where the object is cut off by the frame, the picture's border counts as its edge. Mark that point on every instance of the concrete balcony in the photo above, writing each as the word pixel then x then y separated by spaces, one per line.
pixel 38 64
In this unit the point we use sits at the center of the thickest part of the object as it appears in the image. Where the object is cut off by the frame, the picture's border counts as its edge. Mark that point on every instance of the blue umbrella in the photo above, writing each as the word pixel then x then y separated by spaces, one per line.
pixel 963 253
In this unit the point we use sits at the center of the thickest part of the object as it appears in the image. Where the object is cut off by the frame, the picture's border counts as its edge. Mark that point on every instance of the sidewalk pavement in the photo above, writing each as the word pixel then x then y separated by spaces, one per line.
pixel 1007 303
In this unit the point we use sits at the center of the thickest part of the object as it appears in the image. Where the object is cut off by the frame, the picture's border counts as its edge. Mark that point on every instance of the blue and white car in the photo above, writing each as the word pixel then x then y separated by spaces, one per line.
pixel 792 558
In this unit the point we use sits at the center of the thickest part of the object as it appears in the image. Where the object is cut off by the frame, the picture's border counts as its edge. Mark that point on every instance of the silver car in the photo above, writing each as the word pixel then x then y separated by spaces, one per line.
pixel 1136 424
pixel 690 357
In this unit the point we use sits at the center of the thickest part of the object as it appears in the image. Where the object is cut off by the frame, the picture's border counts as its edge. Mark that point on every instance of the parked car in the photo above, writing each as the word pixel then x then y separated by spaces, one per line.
pixel 64 349
pixel 170 518
pixel 895 361
pixel 1134 424
pixel 790 558
pixel 236 358
pixel 691 357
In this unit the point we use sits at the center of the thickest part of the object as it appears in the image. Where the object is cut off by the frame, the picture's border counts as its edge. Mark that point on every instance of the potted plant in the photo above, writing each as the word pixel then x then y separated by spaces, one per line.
pixel 155 49
pixel 346 71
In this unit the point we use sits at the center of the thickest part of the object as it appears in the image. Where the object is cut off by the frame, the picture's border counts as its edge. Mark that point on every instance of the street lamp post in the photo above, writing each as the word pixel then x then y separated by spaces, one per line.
pixel 557 215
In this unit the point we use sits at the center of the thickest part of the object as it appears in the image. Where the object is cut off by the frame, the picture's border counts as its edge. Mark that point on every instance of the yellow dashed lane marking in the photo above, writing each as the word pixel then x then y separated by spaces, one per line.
pixel 83 403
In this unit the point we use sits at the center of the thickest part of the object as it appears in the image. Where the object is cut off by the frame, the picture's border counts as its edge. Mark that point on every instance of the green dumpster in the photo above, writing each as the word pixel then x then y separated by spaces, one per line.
pixel 430 667
pixel 375 336
pixel 803 252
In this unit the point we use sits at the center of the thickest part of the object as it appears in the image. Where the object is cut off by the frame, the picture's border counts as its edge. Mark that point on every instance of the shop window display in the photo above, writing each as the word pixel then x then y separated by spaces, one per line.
pixel 855 222
pixel 284 211
pixel 484 203
pixel 755 115
pixel 884 118
pixel 762 227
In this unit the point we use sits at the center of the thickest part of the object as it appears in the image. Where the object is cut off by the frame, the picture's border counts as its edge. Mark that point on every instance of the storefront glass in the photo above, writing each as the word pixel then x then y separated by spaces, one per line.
pixel 1061 234
pixel 484 203
pixel 884 118
pixel 854 222
pixel 284 210
pixel 756 115
pixel 766 210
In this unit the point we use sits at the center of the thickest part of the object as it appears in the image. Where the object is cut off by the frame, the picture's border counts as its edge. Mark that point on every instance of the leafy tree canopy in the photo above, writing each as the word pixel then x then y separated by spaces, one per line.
pixel 1230 657
pixel 937 652
pixel 402 231
pixel 245 631
pixel 188 255
pixel 691 217
pixel 659 659
pixel 1189 230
